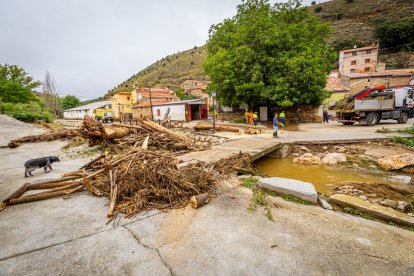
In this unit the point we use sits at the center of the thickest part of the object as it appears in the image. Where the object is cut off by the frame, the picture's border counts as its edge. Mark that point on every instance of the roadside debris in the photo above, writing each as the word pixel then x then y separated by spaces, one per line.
pixel 138 170
pixel 217 128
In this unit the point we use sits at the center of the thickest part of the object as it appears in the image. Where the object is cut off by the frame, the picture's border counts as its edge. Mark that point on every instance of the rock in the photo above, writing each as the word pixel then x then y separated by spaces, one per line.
pixel 401 178
pixel 355 165
pixel 341 150
pixel 403 206
pixel 376 210
pixel 389 203
pixel 324 204
pixel 372 166
pixel 244 176
pixel 299 189
pixel 411 214
pixel 334 158
pixel 296 154
pixel 396 162
pixel 409 170
pixel 380 152
pixel 363 197
pixel 304 148
pixel 324 147
pixel 307 159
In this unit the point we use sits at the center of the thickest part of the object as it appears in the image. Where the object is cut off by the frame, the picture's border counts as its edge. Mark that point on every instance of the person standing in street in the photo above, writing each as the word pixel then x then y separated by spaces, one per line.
pixel 275 125
pixel 282 118
pixel 325 116
pixel 251 117
pixel 246 116
pixel 255 118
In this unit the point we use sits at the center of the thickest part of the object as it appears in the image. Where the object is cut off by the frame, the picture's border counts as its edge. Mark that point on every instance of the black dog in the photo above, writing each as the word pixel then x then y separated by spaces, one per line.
pixel 44 162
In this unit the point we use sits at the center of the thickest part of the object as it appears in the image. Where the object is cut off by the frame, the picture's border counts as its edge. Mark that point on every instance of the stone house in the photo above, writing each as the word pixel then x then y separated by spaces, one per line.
pixel 143 109
pixel 197 88
pixel 358 60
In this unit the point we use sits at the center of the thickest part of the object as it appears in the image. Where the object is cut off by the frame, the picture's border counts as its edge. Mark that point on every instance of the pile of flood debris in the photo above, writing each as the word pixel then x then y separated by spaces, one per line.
pixel 137 170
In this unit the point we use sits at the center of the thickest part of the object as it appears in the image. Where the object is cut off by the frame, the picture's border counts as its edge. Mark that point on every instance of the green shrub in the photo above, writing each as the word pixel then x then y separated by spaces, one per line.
pixel 29 113
pixel 395 35
pixel 318 9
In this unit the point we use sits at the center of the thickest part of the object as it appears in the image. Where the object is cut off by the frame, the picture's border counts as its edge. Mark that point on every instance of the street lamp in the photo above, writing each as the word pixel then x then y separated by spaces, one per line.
pixel 213 95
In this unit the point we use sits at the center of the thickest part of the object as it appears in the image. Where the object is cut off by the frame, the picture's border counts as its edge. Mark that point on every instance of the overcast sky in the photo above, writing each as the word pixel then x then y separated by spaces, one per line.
pixel 90 46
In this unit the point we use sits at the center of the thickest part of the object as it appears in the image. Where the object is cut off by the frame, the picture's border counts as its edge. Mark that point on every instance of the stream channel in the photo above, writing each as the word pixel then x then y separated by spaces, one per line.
pixel 324 178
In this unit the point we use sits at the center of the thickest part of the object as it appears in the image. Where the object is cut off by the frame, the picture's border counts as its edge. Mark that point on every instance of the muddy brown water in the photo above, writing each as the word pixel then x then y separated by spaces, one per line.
pixel 324 178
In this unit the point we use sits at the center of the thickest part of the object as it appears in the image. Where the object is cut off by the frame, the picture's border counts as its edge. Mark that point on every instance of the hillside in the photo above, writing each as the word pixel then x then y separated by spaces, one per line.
pixel 351 21
pixel 171 70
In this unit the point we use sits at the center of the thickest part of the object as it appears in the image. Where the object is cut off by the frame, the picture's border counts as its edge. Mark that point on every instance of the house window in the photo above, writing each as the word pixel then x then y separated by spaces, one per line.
pixel 368 51
pixel 354 53
pixel 367 69
pixel 367 60
pixel 352 70
pixel 353 62
pixel 158 112
pixel 128 98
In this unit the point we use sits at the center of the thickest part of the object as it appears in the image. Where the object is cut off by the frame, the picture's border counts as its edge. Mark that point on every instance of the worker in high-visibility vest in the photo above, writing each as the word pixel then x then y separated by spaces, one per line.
pixel 282 117
pixel 255 118
pixel 251 117
pixel 246 116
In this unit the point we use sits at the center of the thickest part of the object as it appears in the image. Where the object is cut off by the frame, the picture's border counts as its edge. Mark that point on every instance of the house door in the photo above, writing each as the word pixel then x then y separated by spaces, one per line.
pixel 204 111
pixel 188 112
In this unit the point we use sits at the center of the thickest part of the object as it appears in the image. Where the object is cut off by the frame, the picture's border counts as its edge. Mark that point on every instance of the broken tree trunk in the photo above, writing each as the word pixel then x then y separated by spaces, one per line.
pixel 174 135
pixel 227 128
pixel 203 127
pixel 200 200
pixel 49 136
pixel 96 132
pixel 44 195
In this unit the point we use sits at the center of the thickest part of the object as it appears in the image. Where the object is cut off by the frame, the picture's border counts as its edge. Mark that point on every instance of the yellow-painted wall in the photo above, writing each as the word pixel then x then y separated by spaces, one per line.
pixel 122 102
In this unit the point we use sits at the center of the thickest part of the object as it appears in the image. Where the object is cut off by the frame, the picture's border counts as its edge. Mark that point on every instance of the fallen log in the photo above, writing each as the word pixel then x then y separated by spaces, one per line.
pixel 227 128
pixel 42 196
pixel 49 136
pixel 202 127
pixel 174 135
pixel 96 132
pixel 199 200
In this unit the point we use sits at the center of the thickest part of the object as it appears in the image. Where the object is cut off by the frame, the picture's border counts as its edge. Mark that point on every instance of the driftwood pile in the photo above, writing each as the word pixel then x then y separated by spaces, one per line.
pixel 137 172
pixel 138 180
pixel 96 133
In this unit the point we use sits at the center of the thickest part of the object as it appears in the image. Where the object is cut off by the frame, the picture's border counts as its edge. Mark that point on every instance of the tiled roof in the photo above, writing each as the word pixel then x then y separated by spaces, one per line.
pixel 359 49
pixel 334 84
pixel 148 103
pixel 386 73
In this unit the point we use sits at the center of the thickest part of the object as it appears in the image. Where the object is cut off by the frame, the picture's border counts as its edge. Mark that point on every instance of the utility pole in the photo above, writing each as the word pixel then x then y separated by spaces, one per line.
pixel 213 94
pixel 152 115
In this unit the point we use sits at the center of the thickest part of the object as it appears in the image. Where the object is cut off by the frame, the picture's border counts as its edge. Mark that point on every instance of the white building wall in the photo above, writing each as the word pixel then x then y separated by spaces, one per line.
pixel 76 114
pixel 177 112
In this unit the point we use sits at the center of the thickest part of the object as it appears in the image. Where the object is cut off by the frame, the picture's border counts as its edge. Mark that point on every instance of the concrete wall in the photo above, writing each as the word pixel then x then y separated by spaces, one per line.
pixel 177 112
pixel 346 61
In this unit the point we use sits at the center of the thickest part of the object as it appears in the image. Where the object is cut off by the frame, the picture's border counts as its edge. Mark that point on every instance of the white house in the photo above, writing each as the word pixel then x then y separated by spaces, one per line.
pixel 80 111
pixel 181 110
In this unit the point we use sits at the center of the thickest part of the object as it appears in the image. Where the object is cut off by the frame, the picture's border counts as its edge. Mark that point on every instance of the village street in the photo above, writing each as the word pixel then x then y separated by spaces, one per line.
pixel 70 235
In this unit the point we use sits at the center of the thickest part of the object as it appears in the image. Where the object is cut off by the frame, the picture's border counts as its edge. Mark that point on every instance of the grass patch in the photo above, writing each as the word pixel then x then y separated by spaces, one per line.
pixel 407 141
pixel 409 228
pixel 357 212
pixel 259 197
pixel 362 162
pixel 249 182
pixel 292 198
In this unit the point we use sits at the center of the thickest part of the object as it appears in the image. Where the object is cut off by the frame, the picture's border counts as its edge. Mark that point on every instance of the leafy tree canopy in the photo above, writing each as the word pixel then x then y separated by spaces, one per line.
pixel 17 75
pixel 12 92
pixel 275 54
pixel 70 102
pixel 395 35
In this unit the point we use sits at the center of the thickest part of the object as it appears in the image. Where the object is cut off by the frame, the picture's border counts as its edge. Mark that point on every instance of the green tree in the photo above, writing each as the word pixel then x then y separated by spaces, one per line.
pixel 17 75
pixel 267 53
pixel 395 35
pixel 12 92
pixel 70 102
